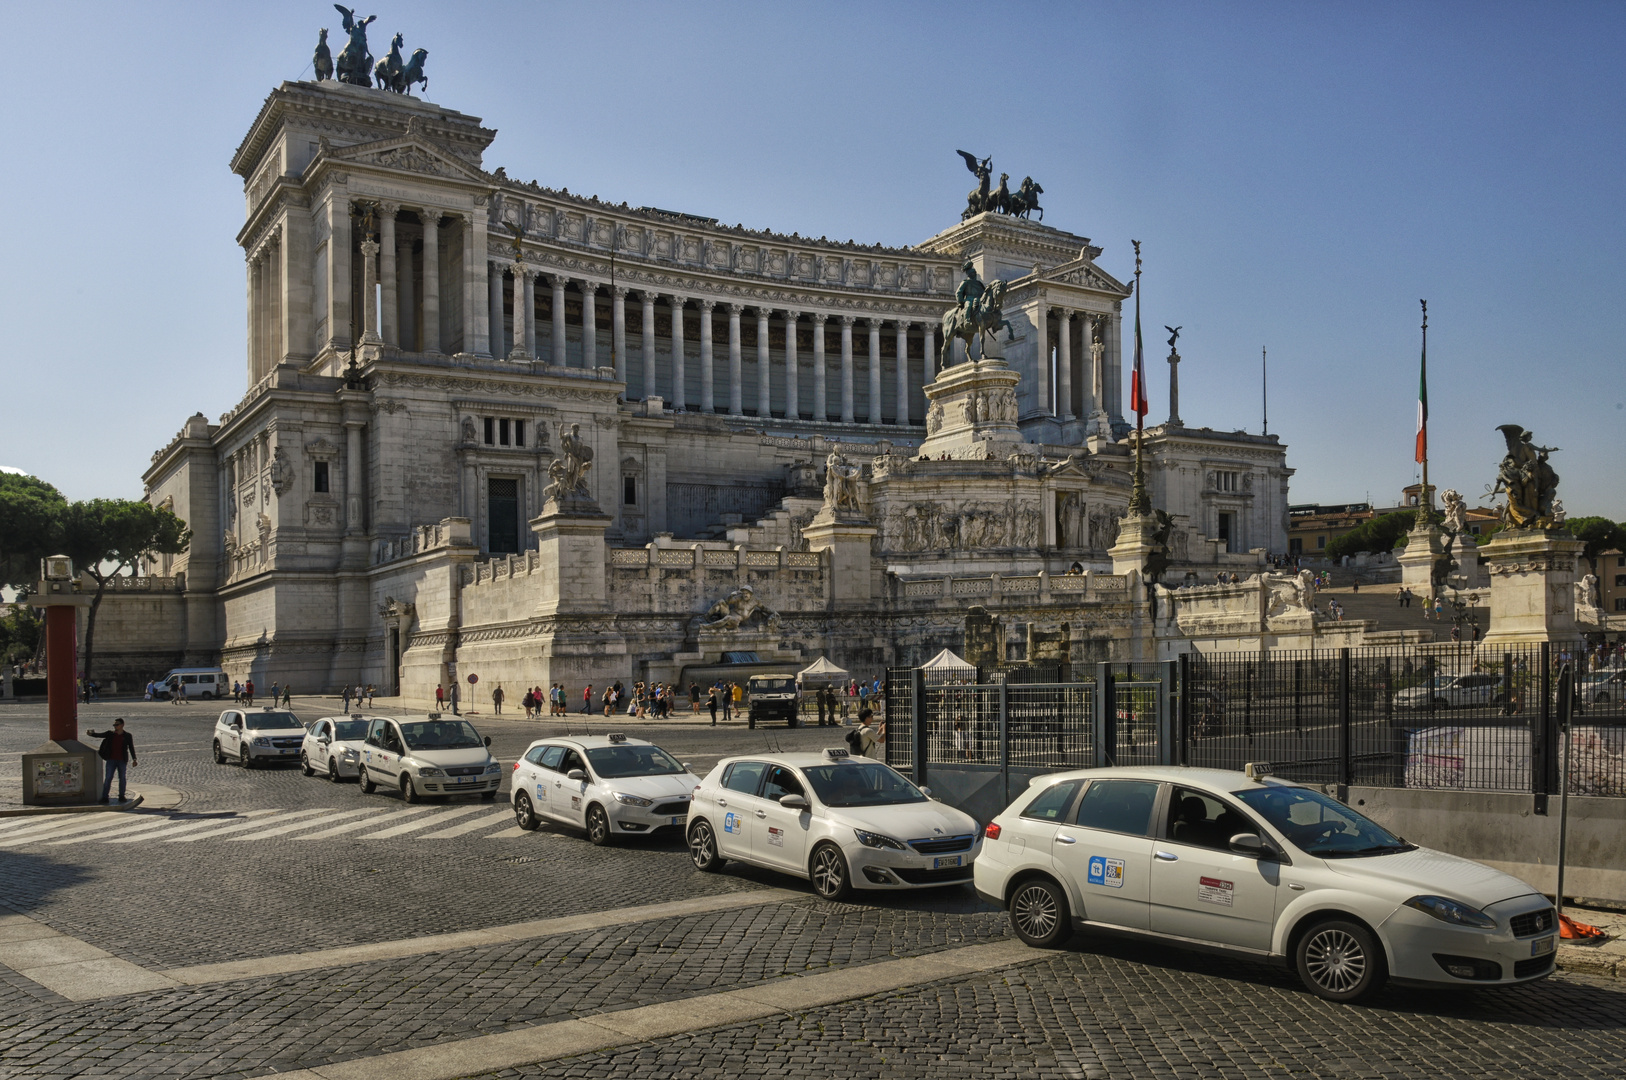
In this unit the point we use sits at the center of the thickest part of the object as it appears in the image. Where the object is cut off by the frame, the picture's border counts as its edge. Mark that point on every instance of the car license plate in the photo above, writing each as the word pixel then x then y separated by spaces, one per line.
pixel 681 819
pixel 284 751
pixel 947 861
pixel 465 779
pixel 1541 946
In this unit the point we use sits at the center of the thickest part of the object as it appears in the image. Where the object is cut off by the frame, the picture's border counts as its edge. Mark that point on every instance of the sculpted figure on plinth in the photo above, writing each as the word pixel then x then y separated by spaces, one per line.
pixel 977 313
pixel 568 473
pixel 322 61
pixel 977 201
pixel 738 608
pixel 1527 480
pixel 355 61
pixel 840 482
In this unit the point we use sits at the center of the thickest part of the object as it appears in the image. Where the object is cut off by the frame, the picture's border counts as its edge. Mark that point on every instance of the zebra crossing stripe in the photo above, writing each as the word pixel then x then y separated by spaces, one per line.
pixel 468 827
pixel 414 826
pixel 355 825
pixel 507 834
pixel 317 824
pixel 238 826
pixel 126 829
pixel 191 826
pixel 60 827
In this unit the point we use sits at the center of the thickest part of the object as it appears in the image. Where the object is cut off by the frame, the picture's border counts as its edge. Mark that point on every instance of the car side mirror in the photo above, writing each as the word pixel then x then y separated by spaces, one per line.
pixel 575 774
pixel 488 740
pixel 324 740
pixel 1249 844
pixel 793 802
pixel 926 791
pixel 684 765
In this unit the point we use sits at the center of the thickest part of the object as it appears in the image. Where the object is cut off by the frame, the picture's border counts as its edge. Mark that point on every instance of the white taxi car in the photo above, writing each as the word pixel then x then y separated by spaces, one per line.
pixel 433 756
pixel 254 737
pixel 333 746
pixel 1261 867
pixel 609 785
pixel 839 821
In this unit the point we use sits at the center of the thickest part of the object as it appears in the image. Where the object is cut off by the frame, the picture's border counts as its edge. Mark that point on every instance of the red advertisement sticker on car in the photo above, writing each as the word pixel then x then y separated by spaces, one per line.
pixel 1212 890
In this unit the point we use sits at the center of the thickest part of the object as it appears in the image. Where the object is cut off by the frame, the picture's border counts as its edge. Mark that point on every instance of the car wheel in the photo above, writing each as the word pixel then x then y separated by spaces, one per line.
pixel 751 722
pixel 598 825
pixel 1442 703
pixel 524 816
pixel 703 848
pixel 794 722
pixel 1340 961
pixel 829 872
pixel 409 794
pixel 305 765
pixel 364 783
pixel 488 796
pixel 1039 914
pixel 333 771
pixel 1602 698
pixel 244 759
pixel 220 756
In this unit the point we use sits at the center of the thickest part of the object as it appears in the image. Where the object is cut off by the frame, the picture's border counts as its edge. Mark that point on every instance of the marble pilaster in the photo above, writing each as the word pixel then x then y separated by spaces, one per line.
pixel 847 414
pixel 736 398
pixel 793 405
pixel 708 400
pixel 764 394
pixel 680 400
pixel 820 403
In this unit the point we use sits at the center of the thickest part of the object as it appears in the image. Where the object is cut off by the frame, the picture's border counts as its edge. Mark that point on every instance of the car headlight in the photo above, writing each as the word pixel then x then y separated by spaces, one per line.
pixel 494 768
pixel 350 753
pixel 633 800
pixel 870 839
pixel 427 771
pixel 262 742
pixel 1451 911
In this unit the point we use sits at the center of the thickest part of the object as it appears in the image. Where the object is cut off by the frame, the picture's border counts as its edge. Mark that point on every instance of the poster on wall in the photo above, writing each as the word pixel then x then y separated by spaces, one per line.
pixel 63 776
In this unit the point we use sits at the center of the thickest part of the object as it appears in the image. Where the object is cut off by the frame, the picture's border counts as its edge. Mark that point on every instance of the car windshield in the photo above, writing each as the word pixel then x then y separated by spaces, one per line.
pixel 614 762
pixel 275 721
pixel 773 686
pixel 1320 824
pixel 349 730
pixel 441 735
pixel 854 783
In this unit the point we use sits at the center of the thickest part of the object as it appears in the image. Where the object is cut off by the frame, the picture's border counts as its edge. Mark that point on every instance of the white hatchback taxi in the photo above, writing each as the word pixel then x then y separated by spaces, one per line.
pixel 1243 862
pixel 839 821
pixel 333 746
pixel 254 737
pixel 430 757
pixel 609 785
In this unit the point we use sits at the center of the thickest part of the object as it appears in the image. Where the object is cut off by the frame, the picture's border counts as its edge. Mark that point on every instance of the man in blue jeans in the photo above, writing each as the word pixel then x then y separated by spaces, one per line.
pixel 118 750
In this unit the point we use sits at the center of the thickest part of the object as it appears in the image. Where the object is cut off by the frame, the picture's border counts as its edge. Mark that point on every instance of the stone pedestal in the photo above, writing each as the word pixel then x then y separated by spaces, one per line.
pixel 1466 552
pixel 1424 547
pixel 62 772
pixel 570 551
pixel 847 537
pixel 971 411
pixel 1532 586
pixel 1137 540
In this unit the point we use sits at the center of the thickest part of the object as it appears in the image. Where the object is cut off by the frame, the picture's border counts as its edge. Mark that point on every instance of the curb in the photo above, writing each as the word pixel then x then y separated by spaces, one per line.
pixel 92 808
pixel 1588 961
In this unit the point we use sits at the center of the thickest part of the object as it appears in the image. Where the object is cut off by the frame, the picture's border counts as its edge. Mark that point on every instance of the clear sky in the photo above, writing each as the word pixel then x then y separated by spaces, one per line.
pixel 1299 174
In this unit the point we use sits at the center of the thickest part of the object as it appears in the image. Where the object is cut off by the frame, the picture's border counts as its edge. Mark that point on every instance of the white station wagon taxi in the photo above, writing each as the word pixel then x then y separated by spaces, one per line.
pixel 839 821
pixel 1243 862
pixel 609 785
pixel 435 756
pixel 333 746
pixel 254 737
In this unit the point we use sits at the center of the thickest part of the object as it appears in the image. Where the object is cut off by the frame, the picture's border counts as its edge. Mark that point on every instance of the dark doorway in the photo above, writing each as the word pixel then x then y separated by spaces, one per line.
pixel 1227 533
pixel 502 516
pixel 395 661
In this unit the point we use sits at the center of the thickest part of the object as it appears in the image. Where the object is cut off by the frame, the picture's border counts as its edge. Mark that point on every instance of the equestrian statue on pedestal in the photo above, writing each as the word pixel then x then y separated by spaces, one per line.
pixel 977 313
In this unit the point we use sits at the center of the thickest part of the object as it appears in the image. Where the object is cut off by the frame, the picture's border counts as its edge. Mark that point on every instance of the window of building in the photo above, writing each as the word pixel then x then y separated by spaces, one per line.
pixel 1225 481
pixel 502 432
pixel 1620 560
pixel 1620 581
pixel 502 515
pixel 629 491
pixel 1474 529
pixel 320 480
pixel 1320 542
pixel 491 431
pixel 519 433
pixel 1227 530
pixel 1295 546
pixel 1620 603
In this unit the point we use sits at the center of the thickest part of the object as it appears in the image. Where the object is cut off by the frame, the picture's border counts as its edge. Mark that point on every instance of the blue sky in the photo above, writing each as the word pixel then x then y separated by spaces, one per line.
pixel 1299 176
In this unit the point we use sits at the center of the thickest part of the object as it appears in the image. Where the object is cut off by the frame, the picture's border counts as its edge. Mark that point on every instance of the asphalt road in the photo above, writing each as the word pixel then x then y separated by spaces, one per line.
pixel 623 961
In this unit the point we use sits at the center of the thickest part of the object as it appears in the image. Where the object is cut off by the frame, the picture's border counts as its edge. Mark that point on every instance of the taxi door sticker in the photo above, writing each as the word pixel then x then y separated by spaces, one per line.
pixel 575 802
pixel 1107 872
pixel 731 823
pixel 541 793
pixel 776 837
pixel 1212 890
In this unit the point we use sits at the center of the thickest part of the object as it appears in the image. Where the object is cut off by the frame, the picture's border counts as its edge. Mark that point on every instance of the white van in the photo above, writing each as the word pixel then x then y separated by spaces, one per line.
pixel 196 683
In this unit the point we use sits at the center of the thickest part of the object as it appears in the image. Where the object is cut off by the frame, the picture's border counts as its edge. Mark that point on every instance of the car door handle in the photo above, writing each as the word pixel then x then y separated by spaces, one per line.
pixel 1066 839
pixel 722 802
pixel 762 813
pixel 1166 856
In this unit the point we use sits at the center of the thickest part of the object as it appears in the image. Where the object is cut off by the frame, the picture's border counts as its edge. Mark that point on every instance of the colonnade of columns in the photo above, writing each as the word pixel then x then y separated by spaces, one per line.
pixel 1084 385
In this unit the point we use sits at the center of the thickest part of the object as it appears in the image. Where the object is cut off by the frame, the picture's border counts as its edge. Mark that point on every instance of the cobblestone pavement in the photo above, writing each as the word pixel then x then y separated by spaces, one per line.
pixel 264 890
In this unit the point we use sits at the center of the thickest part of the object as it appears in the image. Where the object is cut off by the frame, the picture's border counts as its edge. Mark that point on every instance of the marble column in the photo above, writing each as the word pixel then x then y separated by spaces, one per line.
pixel 929 347
pixel 874 371
pixel 352 477
pixel 1113 377
pixel 736 401
pixel 618 331
pixel 680 373
pixel 820 403
pixel 560 357
pixel 649 344
pixel 764 395
pixel 708 401
pixel 1174 389
pixel 406 302
pixel 793 404
pixel 389 302
pixel 519 350
pixel 1098 364
pixel 847 416
pixel 494 305
pixel 431 281
pixel 589 325
pixel 1064 364
pixel 369 291
pixel 253 307
pixel 531 344
pixel 903 372
pixel 473 288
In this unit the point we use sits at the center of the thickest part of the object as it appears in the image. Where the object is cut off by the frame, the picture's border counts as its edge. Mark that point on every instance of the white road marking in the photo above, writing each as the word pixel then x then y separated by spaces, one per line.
pixel 354 825
pixel 468 827
pixel 230 826
pixel 191 826
pixel 296 826
pixel 413 826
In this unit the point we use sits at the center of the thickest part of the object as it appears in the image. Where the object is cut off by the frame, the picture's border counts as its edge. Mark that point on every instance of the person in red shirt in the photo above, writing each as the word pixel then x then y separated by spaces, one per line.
pixel 118 750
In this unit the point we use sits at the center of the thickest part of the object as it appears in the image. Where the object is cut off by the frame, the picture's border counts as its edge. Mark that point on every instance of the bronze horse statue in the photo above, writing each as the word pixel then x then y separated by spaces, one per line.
pixel 355 61
pixel 1026 199
pixel 394 75
pixel 984 317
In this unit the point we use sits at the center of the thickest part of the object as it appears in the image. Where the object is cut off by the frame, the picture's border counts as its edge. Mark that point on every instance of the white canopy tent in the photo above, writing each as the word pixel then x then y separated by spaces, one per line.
pixel 947 661
pixel 821 672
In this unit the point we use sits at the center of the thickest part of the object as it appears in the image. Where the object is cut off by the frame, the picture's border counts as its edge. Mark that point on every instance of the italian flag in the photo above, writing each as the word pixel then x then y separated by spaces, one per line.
pixel 1137 380
pixel 1422 411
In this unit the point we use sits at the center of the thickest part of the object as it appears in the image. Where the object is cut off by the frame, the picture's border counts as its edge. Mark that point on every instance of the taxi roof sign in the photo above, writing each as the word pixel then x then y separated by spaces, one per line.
pixel 1257 770
pixel 837 753
pixel 617 736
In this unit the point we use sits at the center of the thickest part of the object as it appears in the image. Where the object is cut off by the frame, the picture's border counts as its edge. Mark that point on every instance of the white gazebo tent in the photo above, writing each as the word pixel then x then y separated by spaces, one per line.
pixel 946 662
pixel 821 672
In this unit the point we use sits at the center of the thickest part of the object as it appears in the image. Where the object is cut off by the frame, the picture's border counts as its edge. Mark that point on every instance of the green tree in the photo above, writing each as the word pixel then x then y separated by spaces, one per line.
pixel 1599 534
pixel 21 631
pixel 30 524
pixel 104 537
pixel 1380 534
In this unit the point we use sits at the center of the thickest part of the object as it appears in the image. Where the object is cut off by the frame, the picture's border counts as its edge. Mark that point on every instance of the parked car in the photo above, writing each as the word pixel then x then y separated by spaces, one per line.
pixel 434 756
pixel 196 683
pixel 608 785
pixel 1259 867
pixel 255 737
pixel 839 821
pixel 772 698
pixel 1452 692
pixel 1602 688
pixel 332 745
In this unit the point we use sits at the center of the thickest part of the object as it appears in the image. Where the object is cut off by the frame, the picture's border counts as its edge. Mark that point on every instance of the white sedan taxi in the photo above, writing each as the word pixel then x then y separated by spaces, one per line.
pixel 609 785
pixel 1243 862
pixel 255 737
pixel 839 821
pixel 435 756
pixel 333 747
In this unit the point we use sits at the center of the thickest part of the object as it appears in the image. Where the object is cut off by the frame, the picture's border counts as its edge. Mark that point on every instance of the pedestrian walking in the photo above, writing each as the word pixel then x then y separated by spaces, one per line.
pixel 276 693
pixel 496 699
pixel 372 691
pixel 440 697
pixel 456 694
pixel 711 703
pixel 587 699
pixel 869 736
pixel 819 694
pixel 345 698
pixel 287 695
pixel 118 750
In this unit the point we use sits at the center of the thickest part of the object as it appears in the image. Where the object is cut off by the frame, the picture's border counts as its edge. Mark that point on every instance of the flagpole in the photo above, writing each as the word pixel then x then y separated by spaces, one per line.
pixel 1264 386
pixel 1425 504
pixel 1139 503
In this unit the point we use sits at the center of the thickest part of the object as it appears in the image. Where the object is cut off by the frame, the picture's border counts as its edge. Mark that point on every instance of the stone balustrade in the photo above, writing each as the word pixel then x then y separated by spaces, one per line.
pixel 1040 587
